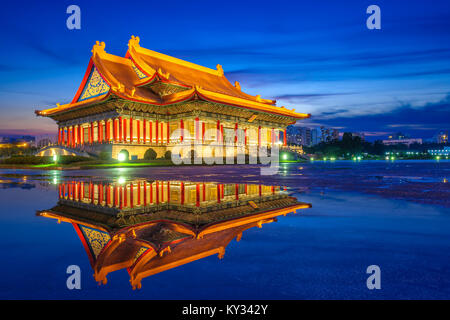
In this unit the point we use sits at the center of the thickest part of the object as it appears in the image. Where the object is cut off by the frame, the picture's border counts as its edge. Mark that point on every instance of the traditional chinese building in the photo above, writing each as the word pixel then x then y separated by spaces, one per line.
pixel 135 103
pixel 151 226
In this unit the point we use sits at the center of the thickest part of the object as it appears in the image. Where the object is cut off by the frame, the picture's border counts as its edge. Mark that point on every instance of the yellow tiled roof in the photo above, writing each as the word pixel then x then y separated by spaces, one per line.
pixel 127 77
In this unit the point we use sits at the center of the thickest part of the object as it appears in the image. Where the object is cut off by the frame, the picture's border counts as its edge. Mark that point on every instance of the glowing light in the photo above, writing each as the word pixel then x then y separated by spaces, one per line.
pixel 285 156
pixel 121 180
pixel 55 158
pixel 387 158
pixel 121 157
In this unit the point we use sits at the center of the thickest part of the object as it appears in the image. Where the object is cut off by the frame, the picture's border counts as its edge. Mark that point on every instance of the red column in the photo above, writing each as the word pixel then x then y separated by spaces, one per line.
pixel 138 131
pixel 62 136
pixel 260 191
pixel 157 192
pixel 100 132
pixel 73 136
pixel 218 193
pixel 145 193
pixel 120 128
pixel 168 191
pixel 245 136
pixel 108 195
pixel 151 192
pixel 125 196
pixel 144 131
pixel 182 193
pixel 284 138
pixel 124 130
pixel 197 129
pixel 100 193
pixel 115 130
pixel 259 136
pixel 116 196
pixel 59 135
pixel 204 192
pixel 131 195
pixel 156 131
pixel 131 130
pixel 236 191
pixel 197 198
pixel 138 193
pixel 120 197
pixel 162 133
pixel 108 131
pixel 91 132
pixel 150 132
pixel 218 130
pixel 203 132
pixel 168 132
pixel 182 130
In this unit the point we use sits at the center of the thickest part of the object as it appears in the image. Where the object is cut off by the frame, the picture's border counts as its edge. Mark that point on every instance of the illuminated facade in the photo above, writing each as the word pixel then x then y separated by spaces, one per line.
pixel 147 100
pixel 151 226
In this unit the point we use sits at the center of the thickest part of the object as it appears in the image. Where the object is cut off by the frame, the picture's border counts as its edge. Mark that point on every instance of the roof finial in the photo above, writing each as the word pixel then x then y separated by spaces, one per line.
pixel 98 47
pixel 134 41
pixel 219 69
pixel 237 85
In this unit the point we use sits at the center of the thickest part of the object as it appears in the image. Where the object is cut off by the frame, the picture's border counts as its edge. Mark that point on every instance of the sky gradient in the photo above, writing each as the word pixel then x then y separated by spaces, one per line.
pixel 316 57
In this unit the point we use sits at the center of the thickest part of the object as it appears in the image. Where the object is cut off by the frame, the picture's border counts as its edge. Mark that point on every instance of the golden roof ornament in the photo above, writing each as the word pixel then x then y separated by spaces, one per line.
pixel 237 85
pixel 219 69
pixel 134 41
pixel 98 47
pixel 164 75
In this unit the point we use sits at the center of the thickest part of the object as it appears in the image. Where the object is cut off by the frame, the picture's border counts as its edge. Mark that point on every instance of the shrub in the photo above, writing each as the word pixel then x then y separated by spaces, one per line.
pixel 150 154
pixel 104 155
pixel 168 155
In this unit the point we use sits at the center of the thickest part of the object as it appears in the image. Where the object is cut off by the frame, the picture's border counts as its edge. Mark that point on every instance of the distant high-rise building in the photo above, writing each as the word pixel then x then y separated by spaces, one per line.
pixel 316 136
pixel 398 136
pixel 335 134
pixel 359 134
pixel 442 137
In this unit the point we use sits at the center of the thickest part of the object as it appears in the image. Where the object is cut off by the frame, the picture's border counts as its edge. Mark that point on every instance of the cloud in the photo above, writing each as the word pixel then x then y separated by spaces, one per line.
pixel 421 121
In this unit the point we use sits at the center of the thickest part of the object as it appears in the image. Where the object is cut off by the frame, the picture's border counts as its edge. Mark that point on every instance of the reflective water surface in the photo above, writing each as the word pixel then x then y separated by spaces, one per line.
pixel 161 231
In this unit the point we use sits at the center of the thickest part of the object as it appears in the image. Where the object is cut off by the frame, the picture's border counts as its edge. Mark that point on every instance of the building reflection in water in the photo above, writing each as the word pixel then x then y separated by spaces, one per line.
pixel 151 226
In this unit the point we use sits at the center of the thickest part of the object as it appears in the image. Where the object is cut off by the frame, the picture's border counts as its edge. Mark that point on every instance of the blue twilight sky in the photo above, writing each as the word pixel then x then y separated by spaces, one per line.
pixel 314 56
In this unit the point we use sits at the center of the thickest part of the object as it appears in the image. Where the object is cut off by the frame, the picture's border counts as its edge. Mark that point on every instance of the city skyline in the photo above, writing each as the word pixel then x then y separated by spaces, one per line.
pixel 317 59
